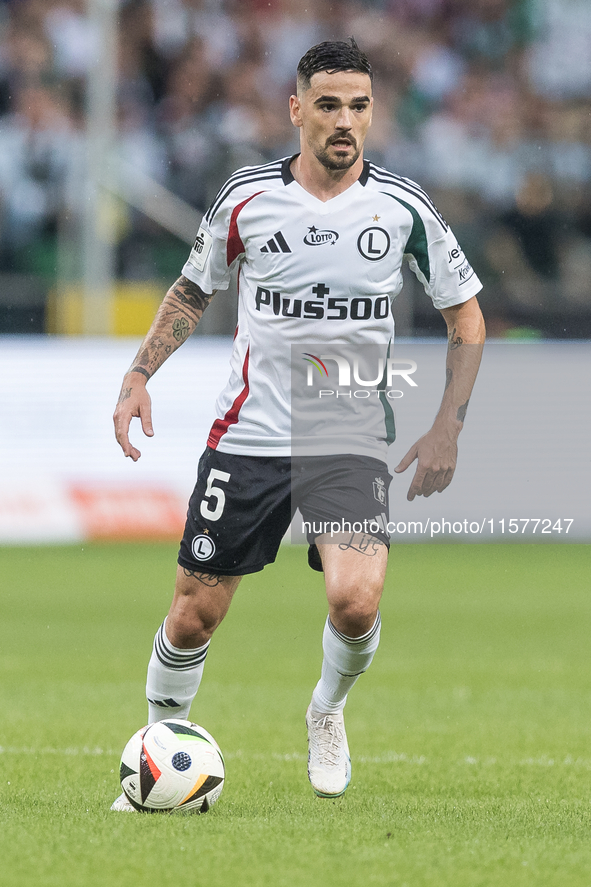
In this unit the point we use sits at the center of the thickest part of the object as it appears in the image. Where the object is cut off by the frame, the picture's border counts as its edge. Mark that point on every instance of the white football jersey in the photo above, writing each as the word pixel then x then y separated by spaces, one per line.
pixel 312 273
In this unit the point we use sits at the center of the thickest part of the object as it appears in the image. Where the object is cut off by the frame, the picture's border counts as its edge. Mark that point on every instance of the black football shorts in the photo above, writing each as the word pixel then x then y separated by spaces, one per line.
pixel 242 506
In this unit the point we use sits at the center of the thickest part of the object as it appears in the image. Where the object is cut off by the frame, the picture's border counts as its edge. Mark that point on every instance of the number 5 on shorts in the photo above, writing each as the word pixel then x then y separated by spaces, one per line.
pixel 216 494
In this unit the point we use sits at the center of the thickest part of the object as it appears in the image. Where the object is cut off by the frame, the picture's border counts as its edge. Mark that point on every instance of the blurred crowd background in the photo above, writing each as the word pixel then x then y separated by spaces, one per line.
pixel 486 103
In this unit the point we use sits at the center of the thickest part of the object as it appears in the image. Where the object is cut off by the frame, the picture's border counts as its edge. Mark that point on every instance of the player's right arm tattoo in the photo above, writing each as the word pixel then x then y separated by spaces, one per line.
pixel 192 296
pixel 139 369
pixel 180 328
pixel 178 315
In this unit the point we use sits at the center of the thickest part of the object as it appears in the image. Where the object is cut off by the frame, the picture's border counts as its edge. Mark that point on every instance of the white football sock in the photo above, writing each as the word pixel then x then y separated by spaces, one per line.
pixel 344 660
pixel 174 676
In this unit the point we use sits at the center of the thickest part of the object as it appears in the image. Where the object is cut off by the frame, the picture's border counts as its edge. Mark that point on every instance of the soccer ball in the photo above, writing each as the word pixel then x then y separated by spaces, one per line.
pixel 172 765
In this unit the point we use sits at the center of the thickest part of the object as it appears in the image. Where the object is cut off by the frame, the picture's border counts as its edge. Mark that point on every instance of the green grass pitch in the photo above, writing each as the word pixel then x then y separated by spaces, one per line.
pixel 470 735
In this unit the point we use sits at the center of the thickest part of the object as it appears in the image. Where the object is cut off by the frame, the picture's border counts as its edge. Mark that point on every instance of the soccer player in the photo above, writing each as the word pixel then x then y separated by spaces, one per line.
pixel 319 239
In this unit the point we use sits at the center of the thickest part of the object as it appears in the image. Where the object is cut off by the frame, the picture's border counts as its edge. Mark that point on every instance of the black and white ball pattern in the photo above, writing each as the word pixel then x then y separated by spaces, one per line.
pixel 172 765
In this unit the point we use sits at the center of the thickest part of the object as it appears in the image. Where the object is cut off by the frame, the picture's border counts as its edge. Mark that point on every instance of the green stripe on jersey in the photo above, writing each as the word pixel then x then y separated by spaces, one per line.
pixel 388 411
pixel 417 242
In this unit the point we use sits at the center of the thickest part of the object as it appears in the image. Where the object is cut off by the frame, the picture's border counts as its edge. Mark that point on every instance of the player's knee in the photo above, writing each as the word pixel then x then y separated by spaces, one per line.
pixel 354 616
pixel 198 607
pixel 190 626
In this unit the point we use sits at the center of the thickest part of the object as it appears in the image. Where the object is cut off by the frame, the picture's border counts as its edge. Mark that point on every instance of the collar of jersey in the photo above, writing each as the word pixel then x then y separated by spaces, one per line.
pixel 322 207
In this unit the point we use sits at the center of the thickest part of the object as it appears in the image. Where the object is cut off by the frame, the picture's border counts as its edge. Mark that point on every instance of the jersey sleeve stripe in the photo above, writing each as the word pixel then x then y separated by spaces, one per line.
pixel 253 176
pixel 247 172
pixel 234 245
pixel 466 279
pixel 420 195
pixel 398 180
pixel 220 426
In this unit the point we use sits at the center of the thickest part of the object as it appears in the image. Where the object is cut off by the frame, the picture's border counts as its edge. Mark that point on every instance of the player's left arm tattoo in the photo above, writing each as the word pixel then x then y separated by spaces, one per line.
pixel 454 340
pixel 436 451
pixel 464 350
pixel 461 414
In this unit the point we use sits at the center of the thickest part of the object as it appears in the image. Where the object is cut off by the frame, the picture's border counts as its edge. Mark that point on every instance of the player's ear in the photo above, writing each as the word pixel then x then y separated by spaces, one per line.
pixel 295 110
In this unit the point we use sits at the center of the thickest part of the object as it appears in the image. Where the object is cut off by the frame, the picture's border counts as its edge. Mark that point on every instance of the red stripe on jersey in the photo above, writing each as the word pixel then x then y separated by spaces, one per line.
pixel 234 245
pixel 238 288
pixel 220 426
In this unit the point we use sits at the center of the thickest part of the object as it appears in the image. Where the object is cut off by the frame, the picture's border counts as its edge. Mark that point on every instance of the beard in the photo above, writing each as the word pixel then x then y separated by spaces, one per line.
pixel 336 163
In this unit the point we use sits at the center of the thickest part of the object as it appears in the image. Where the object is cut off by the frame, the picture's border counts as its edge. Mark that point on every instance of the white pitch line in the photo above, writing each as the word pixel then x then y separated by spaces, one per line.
pixel 70 751
pixel 387 758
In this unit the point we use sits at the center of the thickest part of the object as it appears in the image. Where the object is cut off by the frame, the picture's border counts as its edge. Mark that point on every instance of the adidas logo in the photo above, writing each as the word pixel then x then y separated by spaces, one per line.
pixel 165 703
pixel 277 244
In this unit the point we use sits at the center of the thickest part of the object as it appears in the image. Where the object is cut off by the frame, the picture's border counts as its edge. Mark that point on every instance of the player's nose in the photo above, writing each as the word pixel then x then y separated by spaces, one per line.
pixel 344 119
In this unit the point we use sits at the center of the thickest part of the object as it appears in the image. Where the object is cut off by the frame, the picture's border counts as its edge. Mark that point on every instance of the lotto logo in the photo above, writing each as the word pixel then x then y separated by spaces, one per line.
pixel 314 237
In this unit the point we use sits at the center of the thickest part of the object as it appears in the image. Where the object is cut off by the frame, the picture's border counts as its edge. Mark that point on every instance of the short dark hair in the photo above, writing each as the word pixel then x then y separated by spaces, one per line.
pixel 332 56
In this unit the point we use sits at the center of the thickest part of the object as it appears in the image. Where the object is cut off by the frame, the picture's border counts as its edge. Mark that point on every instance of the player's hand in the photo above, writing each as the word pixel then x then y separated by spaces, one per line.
pixel 134 401
pixel 437 454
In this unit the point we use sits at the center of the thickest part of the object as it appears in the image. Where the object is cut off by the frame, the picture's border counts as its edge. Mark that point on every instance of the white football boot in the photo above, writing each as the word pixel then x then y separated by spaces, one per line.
pixel 122 804
pixel 329 764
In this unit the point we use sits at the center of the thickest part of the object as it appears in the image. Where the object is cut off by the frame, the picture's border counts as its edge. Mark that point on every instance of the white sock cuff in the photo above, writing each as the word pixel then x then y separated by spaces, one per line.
pixel 350 656
pixel 174 657
pixel 366 640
